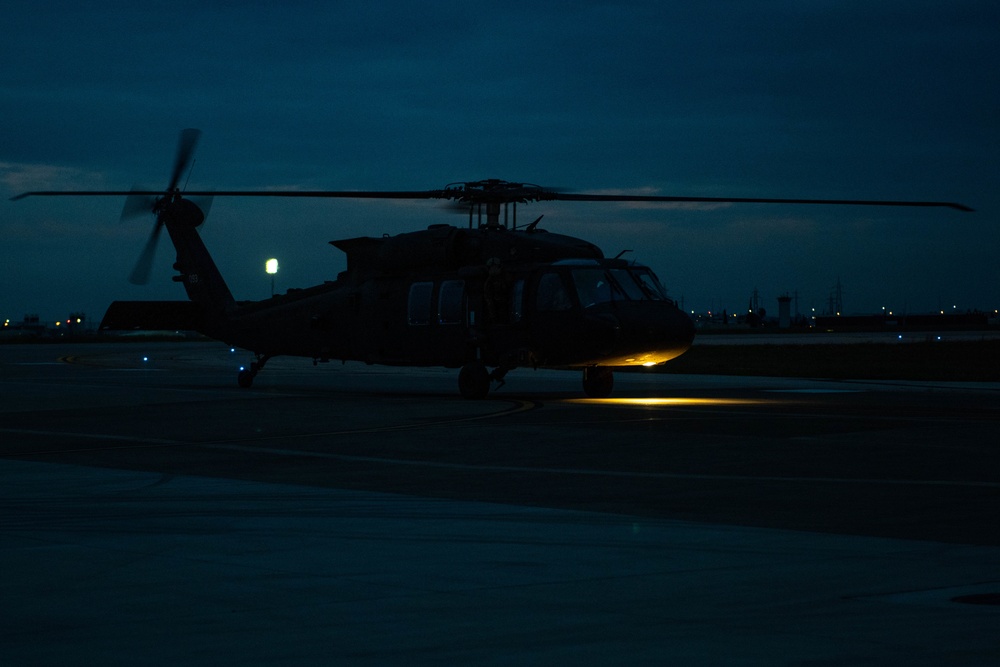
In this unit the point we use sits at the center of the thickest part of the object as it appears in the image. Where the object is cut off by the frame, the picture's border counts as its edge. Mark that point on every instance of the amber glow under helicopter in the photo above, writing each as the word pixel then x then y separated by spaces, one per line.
pixel 674 401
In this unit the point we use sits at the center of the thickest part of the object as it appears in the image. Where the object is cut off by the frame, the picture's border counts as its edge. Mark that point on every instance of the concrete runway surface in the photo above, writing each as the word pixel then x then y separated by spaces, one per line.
pixel 153 512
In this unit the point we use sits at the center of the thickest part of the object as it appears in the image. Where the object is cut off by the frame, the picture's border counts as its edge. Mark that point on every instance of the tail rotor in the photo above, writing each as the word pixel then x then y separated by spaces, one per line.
pixel 170 203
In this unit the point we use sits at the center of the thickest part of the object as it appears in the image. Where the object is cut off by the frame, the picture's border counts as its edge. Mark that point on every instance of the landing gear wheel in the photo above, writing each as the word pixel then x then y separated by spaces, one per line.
pixel 245 378
pixel 598 381
pixel 474 381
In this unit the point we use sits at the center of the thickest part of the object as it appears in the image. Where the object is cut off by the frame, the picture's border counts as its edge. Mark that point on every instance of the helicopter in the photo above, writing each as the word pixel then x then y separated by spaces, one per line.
pixel 486 299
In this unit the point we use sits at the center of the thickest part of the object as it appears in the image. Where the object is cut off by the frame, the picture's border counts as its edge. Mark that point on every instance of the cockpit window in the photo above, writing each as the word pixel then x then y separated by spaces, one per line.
pixel 599 285
pixel 551 293
pixel 594 287
pixel 650 285
pixel 628 283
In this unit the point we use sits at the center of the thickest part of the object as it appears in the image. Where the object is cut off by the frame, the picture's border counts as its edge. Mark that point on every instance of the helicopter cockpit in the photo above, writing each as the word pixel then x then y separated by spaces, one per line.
pixel 601 284
pixel 596 282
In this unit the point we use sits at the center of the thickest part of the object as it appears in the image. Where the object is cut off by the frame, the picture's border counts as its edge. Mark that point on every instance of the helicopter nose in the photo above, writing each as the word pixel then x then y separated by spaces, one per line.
pixel 672 332
pixel 653 334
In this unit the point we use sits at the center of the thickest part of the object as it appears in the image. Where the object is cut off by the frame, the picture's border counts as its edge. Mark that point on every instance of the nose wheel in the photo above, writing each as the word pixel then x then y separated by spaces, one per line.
pixel 598 381
pixel 246 376
pixel 474 380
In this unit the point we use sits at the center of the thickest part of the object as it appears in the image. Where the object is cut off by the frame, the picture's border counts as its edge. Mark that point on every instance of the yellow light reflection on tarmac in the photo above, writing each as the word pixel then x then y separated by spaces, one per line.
pixel 683 401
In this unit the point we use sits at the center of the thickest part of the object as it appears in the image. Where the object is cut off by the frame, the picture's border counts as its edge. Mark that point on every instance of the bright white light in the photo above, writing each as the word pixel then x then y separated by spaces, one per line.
pixel 271 266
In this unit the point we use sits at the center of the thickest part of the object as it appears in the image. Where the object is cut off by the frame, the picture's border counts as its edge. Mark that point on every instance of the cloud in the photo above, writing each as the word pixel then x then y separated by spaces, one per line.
pixel 17 178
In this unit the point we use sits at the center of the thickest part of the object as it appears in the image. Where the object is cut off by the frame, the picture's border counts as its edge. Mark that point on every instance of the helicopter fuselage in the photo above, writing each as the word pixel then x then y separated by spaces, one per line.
pixel 452 297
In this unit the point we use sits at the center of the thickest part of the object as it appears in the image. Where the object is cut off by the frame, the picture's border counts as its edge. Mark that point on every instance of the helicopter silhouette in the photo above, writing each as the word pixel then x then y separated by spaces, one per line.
pixel 485 299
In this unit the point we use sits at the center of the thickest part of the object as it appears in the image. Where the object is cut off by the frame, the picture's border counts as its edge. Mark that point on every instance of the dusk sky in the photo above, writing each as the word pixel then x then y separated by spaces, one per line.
pixel 798 98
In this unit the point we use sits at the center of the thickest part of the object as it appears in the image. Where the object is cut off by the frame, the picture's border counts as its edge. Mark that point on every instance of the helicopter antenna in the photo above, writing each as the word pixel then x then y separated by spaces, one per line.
pixel 618 256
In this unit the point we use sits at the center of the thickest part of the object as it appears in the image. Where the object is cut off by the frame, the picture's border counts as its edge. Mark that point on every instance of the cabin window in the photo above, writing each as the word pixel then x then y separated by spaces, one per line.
pixel 552 294
pixel 451 302
pixel 419 303
pixel 517 301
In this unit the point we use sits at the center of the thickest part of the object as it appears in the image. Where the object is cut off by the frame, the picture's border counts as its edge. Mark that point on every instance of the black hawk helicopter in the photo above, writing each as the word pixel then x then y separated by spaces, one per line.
pixel 485 299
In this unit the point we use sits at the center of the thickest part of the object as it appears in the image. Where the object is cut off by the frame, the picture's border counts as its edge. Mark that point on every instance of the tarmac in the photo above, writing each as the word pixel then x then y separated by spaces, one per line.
pixel 153 512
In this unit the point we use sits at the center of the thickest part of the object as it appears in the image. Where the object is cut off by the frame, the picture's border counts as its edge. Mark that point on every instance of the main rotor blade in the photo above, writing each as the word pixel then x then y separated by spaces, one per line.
pixel 544 195
pixel 559 196
pixel 349 194
pixel 341 194
pixel 90 193
pixel 185 150
pixel 143 267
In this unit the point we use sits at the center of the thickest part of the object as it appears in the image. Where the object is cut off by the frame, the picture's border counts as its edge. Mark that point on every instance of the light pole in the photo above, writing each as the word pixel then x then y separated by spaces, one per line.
pixel 271 266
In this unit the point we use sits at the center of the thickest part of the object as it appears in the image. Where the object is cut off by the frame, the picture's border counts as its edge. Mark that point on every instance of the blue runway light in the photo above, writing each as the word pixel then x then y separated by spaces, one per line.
pixel 145 359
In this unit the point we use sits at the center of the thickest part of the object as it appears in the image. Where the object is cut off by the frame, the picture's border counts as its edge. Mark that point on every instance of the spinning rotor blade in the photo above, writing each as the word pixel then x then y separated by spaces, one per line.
pixel 204 202
pixel 185 150
pixel 143 267
pixel 137 204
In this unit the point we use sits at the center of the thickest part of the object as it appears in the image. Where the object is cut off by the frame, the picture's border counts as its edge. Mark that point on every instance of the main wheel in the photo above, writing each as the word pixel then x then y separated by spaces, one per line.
pixel 474 381
pixel 598 381
pixel 245 378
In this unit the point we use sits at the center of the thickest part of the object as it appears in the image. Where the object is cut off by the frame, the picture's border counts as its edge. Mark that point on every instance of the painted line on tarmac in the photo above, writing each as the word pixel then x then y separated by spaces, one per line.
pixel 86 436
pixel 348 458
pixel 594 473
pixel 520 405
pixel 140 441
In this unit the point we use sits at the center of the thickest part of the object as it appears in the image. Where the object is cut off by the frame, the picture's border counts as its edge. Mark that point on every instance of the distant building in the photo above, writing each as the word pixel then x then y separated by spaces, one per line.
pixel 971 321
